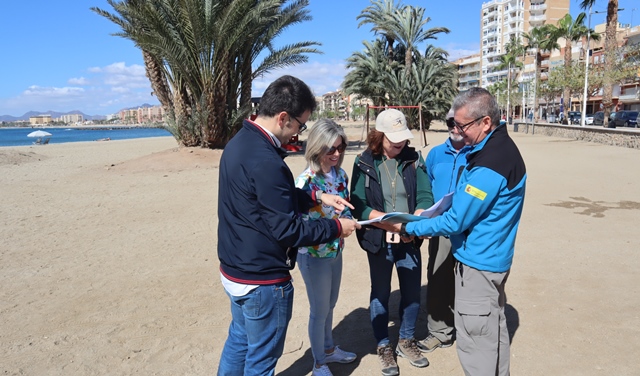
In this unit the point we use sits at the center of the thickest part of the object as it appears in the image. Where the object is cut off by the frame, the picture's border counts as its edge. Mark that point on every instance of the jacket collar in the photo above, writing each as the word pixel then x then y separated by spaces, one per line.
pixel 267 136
pixel 453 150
pixel 499 131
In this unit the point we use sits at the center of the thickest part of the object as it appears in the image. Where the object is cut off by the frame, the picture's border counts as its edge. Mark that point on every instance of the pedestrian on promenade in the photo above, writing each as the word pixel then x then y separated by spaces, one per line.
pixel 389 176
pixel 260 228
pixel 321 265
pixel 482 223
pixel 443 164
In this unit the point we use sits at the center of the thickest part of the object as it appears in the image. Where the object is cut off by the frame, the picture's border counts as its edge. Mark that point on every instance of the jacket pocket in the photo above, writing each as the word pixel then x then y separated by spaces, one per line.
pixel 370 239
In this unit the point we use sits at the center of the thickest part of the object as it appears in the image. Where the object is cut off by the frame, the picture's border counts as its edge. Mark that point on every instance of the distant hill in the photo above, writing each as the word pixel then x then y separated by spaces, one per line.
pixel 55 114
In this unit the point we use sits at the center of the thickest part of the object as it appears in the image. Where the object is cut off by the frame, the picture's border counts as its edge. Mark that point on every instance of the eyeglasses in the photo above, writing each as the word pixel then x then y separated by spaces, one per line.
pixel 451 123
pixel 302 127
pixel 341 148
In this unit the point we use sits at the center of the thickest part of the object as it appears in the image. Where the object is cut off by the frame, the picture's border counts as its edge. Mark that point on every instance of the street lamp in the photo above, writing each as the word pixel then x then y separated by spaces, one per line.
pixel 586 67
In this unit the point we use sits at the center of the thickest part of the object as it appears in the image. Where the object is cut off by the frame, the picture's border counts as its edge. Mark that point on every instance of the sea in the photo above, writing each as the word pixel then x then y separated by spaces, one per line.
pixel 18 136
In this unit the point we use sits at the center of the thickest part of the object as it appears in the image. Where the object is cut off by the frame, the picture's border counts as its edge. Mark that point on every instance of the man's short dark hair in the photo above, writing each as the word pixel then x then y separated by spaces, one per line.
pixel 288 94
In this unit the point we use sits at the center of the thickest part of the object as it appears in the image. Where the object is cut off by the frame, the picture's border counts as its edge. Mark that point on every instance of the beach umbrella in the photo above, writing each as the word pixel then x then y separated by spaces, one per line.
pixel 39 134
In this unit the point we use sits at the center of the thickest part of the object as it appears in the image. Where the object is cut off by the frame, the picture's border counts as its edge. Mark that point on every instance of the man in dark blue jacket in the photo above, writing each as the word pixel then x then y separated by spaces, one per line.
pixel 482 224
pixel 260 228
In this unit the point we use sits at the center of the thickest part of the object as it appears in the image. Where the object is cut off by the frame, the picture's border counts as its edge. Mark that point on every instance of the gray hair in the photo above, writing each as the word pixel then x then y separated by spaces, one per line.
pixel 478 102
pixel 323 135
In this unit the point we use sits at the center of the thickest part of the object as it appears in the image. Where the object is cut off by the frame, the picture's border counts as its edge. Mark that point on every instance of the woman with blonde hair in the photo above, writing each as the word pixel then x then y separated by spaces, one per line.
pixel 321 265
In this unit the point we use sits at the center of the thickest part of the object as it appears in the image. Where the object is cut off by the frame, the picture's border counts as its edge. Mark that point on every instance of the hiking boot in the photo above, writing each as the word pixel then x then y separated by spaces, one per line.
pixel 431 343
pixel 322 371
pixel 339 356
pixel 408 348
pixel 387 362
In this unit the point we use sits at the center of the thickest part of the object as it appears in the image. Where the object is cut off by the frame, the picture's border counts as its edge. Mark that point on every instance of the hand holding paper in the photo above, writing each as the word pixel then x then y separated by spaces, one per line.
pixel 396 217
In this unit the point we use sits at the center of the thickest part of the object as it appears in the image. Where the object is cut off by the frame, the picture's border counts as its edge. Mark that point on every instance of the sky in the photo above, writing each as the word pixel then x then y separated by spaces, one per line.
pixel 61 56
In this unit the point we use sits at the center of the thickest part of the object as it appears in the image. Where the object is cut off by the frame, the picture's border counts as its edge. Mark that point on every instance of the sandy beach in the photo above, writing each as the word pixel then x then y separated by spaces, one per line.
pixel 108 264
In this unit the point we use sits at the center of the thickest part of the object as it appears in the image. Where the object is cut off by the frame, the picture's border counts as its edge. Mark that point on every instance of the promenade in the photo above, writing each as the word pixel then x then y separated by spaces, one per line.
pixel 109 266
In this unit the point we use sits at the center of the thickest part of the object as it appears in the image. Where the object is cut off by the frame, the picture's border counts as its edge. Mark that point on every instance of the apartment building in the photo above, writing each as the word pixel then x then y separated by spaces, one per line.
pixel 468 72
pixel 626 96
pixel 150 114
pixel 40 119
pixel 334 103
pixel 71 118
pixel 503 20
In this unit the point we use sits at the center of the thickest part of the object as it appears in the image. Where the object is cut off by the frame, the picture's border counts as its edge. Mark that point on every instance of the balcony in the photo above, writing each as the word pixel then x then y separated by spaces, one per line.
pixel 540 18
pixel 468 70
pixel 537 7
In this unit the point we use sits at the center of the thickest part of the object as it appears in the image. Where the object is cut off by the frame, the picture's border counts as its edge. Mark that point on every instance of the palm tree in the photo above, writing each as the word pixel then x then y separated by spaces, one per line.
pixel 539 40
pixel 409 30
pixel 368 69
pixel 381 15
pixel 199 53
pixel 431 82
pixel 509 61
pixel 610 45
pixel 572 31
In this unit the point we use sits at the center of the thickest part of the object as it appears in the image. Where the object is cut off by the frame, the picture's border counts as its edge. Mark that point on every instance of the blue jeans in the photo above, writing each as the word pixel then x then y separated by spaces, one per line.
pixel 322 278
pixel 258 328
pixel 408 262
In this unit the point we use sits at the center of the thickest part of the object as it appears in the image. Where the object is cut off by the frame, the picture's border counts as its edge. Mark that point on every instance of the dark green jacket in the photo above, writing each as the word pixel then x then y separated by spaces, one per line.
pixel 366 191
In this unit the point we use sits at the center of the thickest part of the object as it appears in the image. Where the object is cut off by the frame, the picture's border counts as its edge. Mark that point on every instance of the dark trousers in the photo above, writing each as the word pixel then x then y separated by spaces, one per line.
pixel 440 289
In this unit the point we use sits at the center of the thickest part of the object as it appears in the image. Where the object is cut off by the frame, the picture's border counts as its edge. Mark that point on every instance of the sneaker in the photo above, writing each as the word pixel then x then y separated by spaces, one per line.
pixel 387 362
pixel 408 348
pixel 340 356
pixel 322 371
pixel 431 343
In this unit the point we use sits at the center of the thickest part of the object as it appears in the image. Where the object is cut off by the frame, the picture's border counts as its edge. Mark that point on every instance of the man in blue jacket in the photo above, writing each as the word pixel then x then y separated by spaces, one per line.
pixel 260 228
pixel 443 164
pixel 482 224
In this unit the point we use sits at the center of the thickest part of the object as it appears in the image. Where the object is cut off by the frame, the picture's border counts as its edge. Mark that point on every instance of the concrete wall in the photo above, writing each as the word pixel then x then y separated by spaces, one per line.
pixel 625 137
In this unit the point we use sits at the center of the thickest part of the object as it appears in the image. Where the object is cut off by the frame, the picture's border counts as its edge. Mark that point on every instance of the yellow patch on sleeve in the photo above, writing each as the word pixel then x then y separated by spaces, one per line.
pixel 475 192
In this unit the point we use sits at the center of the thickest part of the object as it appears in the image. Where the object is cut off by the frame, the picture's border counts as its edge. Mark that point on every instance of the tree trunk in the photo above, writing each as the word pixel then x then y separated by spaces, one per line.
pixel 536 82
pixel 566 93
pixel 390 42
pixel 407 60
pixel 245 83
pixel 610 46
pixel 158 80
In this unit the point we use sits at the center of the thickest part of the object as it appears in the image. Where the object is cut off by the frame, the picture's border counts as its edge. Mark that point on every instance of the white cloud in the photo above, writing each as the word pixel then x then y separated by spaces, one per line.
pixel 458 50
pixel 52 92
pixel 113 87
pixel 78 81
pixel 321 77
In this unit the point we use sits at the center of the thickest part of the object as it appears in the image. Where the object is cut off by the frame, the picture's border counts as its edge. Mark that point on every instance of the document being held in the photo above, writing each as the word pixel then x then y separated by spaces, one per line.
pixel 396 217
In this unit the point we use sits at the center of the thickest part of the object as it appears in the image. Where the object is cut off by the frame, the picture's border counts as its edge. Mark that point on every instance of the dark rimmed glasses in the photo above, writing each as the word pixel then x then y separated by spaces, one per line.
pixel 302 127
pixel 451 123
pixel 340 148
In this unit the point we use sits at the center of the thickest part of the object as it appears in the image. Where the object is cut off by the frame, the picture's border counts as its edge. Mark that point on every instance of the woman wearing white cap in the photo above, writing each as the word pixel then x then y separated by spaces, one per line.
pixel 389 177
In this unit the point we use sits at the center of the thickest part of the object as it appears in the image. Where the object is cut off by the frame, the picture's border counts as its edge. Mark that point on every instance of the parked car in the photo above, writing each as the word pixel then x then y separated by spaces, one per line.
pixel 598 118
pixel 574 117
pixel 588 119
pixel 625 119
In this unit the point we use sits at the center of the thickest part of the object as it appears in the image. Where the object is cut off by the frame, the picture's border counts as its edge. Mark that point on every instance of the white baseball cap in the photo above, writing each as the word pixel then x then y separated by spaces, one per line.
pixel 449 114
pixel 393 124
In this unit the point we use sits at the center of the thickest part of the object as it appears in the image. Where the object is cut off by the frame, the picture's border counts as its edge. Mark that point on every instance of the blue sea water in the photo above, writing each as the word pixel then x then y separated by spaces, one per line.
pixel 18 136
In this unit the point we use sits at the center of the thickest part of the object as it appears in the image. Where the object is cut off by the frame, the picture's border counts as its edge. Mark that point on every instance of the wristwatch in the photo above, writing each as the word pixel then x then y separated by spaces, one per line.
pixel 403 231
pixel 318 197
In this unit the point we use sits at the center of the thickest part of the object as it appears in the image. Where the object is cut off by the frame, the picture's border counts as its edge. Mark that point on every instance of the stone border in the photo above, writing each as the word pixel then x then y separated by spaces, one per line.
pixel 609 136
